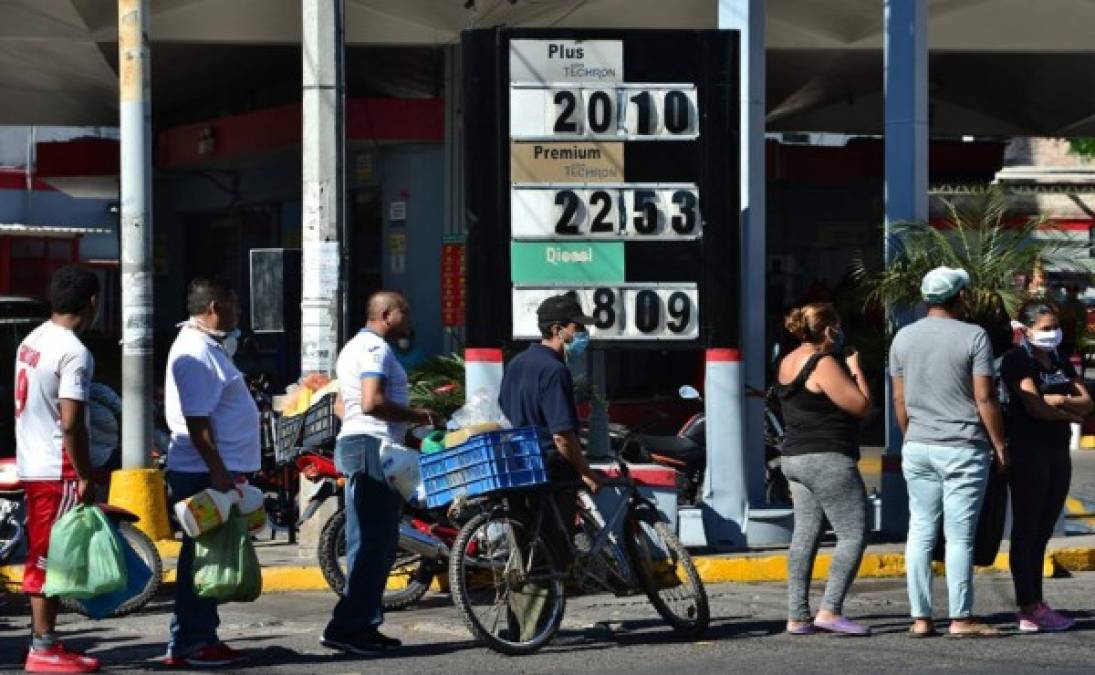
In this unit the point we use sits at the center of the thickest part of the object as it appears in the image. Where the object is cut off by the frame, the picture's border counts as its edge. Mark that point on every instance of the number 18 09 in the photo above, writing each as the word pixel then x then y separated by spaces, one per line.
pixel 641 313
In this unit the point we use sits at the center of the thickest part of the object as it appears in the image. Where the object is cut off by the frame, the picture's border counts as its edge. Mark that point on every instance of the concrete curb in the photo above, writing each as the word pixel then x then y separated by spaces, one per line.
pixel 713 569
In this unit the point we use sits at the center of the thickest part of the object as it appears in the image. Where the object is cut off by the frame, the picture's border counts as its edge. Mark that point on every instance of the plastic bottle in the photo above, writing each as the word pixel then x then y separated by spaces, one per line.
pixel 205 511
pixel 252 506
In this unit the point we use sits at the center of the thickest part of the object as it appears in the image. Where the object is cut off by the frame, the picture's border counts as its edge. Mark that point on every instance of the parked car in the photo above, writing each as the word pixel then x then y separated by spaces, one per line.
pixel 18 317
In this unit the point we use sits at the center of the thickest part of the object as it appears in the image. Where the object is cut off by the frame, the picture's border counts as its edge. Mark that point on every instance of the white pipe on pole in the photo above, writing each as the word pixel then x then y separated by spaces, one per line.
pixel 323 149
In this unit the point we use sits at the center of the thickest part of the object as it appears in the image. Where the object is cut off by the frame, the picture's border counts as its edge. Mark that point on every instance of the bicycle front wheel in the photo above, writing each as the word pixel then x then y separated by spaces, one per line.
pixel 506 585
pixel 666 573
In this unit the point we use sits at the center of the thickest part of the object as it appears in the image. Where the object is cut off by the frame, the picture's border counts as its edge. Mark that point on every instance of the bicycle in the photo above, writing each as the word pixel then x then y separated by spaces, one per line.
pixel 505 563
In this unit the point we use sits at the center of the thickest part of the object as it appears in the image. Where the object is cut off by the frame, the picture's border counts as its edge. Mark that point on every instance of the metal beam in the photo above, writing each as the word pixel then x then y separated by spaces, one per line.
pixel 136 222
pixel 905 52
pixel 744 453
pixel 324 185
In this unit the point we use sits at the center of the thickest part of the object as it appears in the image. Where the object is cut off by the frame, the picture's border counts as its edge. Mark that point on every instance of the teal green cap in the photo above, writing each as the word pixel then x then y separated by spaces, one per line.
pixel 943 283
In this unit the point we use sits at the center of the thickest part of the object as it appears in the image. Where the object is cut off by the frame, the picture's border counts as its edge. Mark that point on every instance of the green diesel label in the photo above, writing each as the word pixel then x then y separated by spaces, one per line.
pixel 552 262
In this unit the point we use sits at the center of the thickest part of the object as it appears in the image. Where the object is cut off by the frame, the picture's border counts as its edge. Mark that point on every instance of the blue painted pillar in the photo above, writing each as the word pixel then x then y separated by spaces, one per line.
pixel 740 450
pixel 906 192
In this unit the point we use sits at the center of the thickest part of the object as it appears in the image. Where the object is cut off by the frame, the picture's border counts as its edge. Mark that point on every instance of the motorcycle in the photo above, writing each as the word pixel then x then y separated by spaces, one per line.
pixel 425 538
pixel 686 452
pixel 278 481
pixel 12 518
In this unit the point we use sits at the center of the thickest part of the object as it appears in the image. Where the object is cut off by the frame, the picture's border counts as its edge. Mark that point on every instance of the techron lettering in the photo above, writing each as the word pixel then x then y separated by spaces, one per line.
pixel 584 171
pixel 580 70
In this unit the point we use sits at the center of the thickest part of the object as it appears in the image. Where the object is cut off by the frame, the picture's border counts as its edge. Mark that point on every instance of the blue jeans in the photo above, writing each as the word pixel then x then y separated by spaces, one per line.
pixel 949 483
pixel 194 623
pixel 373 512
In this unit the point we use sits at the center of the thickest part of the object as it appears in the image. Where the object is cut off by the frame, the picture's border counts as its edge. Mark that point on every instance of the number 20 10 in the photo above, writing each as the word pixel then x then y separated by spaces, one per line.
pixel 632 112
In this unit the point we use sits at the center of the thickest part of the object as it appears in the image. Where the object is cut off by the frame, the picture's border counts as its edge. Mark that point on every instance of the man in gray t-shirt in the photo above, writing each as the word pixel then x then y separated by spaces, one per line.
pixel 944 401
pixel 938 357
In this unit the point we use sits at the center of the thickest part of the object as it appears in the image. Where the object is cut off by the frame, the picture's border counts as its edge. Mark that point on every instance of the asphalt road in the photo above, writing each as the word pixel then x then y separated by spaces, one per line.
pixel 610 635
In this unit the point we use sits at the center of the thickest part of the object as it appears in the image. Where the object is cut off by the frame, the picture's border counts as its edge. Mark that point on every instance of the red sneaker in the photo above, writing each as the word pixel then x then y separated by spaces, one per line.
pixel 214 656
pixel 57 659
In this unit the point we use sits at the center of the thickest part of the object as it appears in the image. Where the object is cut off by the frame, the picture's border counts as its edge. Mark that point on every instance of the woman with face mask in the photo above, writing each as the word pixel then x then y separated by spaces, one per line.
pixel 1045 397
pixel 823 395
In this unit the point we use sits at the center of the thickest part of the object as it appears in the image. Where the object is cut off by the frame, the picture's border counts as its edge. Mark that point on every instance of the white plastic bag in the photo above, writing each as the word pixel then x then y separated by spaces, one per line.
pixel 400 467
pixel 481 408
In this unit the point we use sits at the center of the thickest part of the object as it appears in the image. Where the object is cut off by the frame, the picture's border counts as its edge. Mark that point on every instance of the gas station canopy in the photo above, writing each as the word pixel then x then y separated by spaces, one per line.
pixel 997 67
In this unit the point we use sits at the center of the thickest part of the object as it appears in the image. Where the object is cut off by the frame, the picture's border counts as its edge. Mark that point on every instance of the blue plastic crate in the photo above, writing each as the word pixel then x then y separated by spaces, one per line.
pixel 498 460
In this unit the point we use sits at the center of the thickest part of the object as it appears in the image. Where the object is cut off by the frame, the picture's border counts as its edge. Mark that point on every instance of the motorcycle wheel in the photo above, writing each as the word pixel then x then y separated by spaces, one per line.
pixel 146 550
pixel 409 569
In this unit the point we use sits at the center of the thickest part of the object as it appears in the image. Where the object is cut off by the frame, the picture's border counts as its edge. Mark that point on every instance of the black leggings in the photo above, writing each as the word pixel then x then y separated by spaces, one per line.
pixel 1039 480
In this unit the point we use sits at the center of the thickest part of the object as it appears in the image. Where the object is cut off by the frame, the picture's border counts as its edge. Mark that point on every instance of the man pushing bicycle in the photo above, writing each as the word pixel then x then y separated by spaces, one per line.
pixel 538 391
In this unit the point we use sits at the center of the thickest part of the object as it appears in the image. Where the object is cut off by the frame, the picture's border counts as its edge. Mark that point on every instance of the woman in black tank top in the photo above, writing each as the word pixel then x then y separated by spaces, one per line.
pixel 823 395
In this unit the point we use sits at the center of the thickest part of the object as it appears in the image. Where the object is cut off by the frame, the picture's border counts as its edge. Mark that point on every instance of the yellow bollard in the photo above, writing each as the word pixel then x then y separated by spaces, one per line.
pixel 142 491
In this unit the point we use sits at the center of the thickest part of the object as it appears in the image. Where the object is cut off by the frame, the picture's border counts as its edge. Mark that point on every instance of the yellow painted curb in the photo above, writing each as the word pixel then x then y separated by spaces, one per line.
pixel 1074 507
pixel 872 466
pixel 142 492
pixel 713 570
pixel 168 548
pixel 1087 442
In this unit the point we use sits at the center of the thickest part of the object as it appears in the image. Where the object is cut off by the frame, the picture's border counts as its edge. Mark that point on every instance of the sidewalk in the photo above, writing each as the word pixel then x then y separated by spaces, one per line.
pixel 284 571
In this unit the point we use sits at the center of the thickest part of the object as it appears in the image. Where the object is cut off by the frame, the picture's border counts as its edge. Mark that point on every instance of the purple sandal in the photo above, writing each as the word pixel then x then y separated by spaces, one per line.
pixel 803 629
pixel 843 626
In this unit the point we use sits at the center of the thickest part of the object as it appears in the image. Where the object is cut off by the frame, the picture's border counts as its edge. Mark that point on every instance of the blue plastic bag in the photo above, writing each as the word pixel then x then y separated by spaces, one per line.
pixel 85 556
pixel 137 576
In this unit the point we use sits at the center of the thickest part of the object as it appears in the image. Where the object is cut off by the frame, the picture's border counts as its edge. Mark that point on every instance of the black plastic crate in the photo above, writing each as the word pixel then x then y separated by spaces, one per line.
pixel 286 445
pixel 321 425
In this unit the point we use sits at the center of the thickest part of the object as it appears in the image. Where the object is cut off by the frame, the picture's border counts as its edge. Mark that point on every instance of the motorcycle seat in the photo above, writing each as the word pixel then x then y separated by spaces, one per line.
pixel 671 446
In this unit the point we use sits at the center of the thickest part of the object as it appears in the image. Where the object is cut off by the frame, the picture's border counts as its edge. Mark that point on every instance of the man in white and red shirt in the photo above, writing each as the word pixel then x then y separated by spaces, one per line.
pixel 53 371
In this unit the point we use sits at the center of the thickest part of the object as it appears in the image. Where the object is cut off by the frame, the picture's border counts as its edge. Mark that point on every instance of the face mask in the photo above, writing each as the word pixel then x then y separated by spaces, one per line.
pixel 223 336
pixel 1046 340
pixel 231 343
pixel 577 346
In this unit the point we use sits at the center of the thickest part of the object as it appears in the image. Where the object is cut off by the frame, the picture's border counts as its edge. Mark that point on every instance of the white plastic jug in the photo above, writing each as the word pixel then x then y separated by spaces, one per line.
pixel 400 468
pixel 252 506
pixel 205 511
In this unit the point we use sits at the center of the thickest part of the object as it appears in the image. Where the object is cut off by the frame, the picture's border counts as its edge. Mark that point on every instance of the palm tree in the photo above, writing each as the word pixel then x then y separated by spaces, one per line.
pixel 978 237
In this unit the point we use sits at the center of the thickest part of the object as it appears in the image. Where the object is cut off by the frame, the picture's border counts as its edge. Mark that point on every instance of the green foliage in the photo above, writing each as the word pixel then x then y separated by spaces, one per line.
pixel 438 384
pixel 976 238
pixel 1084 147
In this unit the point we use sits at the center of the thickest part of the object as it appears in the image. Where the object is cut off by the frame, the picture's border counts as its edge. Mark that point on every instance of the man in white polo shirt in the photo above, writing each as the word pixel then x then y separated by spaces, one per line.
pixel 53 371
pixel 214 438
pixel 373 386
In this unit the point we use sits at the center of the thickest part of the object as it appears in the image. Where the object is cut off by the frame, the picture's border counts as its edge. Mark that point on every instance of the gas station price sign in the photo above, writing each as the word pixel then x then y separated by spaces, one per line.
pixel 616 158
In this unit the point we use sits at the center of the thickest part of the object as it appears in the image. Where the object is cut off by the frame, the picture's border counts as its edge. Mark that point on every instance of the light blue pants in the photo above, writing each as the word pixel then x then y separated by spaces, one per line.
pixel 950 483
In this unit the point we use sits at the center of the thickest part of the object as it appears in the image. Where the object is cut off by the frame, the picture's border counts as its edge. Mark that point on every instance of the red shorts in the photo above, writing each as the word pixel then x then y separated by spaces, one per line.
pixel 46 501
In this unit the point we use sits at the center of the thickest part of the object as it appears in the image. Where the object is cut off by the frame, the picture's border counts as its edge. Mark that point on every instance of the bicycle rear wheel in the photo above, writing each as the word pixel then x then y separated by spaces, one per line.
pixel 505 582
pixel 146 551
pixel 666 572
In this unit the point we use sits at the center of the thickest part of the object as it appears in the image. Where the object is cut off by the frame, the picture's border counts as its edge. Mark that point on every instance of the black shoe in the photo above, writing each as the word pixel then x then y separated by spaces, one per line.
pixel 371 642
